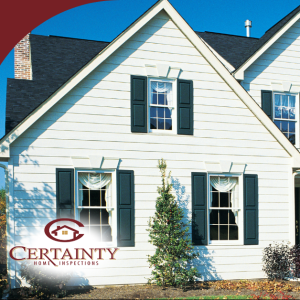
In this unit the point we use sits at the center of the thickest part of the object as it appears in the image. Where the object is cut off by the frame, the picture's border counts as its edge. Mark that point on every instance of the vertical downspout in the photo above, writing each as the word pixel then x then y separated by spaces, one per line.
pixel 7 223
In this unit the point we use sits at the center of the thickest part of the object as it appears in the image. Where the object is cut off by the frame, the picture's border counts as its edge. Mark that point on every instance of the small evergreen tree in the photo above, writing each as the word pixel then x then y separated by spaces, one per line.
pixel 174 250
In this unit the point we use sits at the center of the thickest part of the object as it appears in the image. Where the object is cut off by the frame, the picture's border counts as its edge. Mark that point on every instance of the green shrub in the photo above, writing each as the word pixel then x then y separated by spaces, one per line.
pixel 277 261
pixel 174 252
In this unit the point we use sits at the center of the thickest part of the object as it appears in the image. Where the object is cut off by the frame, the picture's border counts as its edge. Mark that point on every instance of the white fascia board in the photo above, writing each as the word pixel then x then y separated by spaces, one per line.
pixel 239 73
pixel 229 67
pixel 199 45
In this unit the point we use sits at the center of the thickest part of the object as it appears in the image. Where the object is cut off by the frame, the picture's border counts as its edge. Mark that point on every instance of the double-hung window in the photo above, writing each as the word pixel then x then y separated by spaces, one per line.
pixel 285 114
pixel 96 205
pixel 224 208
pixel 161 105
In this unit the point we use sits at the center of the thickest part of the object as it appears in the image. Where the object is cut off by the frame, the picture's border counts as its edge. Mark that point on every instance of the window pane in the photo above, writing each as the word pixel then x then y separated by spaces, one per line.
pixel 84 217
pixel 224 199
pixel 168 113
pixel 223 216
pixel 154 99
pixel 160 111
pixel 168 124
pixel 153 124
pixel 292 101
pixel 214 217
pixel 223 232
pixel 104 216
pixel 284 126
pixel 231 217
pixel 161 99
pixel 160 124
pixel 277 100
pixel 278 124
pixel 292 138
pixel 233 232
pixel 285 101
pixel 277 112
pixel 292 113
pixel 95 216
pixel 285 113
pixel 153 112
pixel 215 198
pixel 94 198
pixel 85 195
pixel 291 127
pixel 214 232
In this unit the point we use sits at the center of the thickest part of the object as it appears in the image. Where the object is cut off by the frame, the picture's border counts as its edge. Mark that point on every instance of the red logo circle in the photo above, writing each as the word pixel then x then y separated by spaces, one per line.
pixel 51 235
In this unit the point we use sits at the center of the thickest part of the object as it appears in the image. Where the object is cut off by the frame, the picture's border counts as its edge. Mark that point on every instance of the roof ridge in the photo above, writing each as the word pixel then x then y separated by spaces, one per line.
pixel 227 34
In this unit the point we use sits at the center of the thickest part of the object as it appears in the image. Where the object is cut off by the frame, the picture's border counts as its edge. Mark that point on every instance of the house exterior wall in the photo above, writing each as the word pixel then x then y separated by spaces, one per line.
pixel 94 119
pixel 280 63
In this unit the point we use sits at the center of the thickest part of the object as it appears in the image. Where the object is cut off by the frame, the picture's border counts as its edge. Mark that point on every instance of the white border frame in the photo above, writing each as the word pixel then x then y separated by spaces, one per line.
pixel 114 200
pixel 240 218
pixel 174 106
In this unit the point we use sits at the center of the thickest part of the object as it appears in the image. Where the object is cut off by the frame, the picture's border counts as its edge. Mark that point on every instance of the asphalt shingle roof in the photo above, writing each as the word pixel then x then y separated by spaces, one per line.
pixel 230 47
pixel 54 61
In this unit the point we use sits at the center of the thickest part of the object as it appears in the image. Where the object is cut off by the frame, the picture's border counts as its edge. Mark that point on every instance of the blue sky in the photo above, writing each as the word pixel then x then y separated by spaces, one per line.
pixel 105 20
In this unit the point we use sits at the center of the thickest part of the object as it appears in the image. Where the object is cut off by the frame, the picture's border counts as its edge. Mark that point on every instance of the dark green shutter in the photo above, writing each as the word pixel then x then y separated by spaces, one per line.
pixel 199 209
pixel 267 103
pixel 125 208
pixel 65 193
pixel 185 116
pixel 250 209
pixel 138 104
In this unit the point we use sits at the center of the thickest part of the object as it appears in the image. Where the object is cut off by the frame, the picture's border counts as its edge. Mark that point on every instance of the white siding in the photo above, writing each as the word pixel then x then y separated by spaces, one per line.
pixel 94 119
pixel 280 63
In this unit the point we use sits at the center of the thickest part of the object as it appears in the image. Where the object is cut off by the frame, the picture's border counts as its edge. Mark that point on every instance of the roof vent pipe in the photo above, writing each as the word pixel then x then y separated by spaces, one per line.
pixel 248 25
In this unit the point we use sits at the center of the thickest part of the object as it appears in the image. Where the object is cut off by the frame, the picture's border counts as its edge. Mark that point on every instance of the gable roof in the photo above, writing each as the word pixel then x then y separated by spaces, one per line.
pixel 270 37
pixel 232 48
pixel 54 61
pixel 199 44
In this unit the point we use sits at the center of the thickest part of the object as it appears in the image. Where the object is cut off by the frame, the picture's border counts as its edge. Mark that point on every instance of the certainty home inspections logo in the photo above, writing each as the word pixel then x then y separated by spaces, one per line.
pixel 63 231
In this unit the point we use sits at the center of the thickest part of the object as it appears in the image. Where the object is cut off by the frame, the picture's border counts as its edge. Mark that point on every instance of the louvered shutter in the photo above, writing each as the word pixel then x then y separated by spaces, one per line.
pixel 65 193
pixel 125 208
pixel 138 104
pixel 250 209
pixel 199 209
pixel 185 117
pixel 267 103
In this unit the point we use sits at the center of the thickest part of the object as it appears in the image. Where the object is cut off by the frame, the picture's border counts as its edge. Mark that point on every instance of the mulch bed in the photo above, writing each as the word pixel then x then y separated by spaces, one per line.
pixel 217 288
pixel 259 287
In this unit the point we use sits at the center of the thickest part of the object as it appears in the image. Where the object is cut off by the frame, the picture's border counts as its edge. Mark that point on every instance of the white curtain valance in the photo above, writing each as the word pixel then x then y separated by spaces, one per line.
pixel 223 184
pixel 94 181
pixel 163 87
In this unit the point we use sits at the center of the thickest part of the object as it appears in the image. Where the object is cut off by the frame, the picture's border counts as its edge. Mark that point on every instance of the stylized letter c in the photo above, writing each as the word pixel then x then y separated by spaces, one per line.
pixel 12 250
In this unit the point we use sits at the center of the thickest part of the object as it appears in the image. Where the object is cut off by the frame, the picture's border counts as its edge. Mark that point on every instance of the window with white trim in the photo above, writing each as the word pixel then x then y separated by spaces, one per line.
pixel 224 208
pixel 96 206
pixel 285 115
pixel 161 105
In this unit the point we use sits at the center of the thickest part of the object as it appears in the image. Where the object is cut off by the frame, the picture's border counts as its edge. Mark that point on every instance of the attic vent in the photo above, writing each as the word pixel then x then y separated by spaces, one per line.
pixel 248 25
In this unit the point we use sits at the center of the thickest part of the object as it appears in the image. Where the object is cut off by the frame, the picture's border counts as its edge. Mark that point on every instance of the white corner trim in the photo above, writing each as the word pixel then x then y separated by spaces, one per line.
pixel 239 73
pixel 228 66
